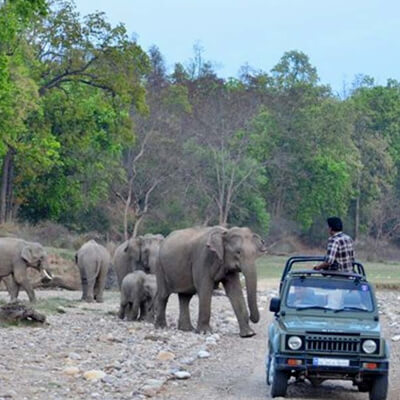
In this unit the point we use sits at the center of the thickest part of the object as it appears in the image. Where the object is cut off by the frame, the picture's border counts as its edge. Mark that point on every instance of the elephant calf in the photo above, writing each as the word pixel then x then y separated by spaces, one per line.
pixel 93 261
pixel 138 290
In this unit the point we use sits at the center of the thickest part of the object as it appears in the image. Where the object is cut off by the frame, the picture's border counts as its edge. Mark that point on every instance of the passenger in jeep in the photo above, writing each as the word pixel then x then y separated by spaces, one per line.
pixel 340 252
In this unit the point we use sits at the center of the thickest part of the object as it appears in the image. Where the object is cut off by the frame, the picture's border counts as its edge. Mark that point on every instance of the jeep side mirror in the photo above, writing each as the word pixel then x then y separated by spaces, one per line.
pixel 275 304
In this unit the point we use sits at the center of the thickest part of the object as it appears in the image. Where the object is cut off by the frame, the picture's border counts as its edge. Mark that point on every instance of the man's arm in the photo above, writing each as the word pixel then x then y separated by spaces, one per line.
pixel 330 255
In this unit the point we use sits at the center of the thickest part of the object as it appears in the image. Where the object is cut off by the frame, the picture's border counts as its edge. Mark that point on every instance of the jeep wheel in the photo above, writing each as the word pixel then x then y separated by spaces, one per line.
pixel 379 388
pixel 268 370
pixel 364 386
pixel 277 379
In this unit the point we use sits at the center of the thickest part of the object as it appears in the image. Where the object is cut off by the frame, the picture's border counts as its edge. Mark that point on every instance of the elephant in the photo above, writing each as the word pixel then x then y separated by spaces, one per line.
pixel 194 260
pixel 93 261
pixel 138 290
pixel 16 255
pixel 139 253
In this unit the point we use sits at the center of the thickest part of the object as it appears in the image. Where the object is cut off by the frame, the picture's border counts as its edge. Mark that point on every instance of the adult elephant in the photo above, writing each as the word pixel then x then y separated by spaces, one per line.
pixel 93 261
pixel 194 260
pixel 139 253
pixel 16 255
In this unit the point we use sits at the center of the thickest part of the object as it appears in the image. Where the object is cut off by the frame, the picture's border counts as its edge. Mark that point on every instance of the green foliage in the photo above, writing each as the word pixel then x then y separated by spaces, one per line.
pixel 88 117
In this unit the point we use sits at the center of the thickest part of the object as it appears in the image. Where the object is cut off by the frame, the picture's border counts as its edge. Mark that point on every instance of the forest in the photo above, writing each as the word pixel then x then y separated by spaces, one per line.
pixel 99 134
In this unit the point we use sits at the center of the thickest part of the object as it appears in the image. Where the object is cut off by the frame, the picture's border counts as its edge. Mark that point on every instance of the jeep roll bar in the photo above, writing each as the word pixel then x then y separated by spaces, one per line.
pixel 358 268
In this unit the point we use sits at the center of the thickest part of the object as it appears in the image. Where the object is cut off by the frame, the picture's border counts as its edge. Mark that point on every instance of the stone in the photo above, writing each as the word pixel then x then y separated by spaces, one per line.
pixel 61 310
pixel 203 354
pixel 165 356
pixel 152 387
pixel 74 356
pixel 94 375
pixel 182 374
pixel 396 338
pixel 71 371
pixel 210 341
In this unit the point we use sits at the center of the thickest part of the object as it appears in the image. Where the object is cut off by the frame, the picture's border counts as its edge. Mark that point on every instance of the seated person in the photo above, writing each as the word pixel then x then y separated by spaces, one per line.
pixel 302 296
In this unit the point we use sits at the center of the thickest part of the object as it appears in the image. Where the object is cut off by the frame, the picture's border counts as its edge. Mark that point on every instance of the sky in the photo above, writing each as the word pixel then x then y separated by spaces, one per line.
pixel 342 38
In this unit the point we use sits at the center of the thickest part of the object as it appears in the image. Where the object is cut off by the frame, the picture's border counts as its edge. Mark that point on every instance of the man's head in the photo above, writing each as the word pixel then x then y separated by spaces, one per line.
pixel 335 224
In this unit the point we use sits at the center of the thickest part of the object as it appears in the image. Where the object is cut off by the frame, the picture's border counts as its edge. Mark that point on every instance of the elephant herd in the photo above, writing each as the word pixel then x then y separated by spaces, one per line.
pixel 150 268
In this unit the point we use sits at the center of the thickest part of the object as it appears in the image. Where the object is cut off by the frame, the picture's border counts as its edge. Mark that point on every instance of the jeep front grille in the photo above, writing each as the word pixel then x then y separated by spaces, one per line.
pixel 329 344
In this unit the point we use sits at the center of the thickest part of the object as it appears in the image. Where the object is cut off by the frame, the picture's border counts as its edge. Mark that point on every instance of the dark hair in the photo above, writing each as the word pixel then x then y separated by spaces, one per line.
pixel 335 223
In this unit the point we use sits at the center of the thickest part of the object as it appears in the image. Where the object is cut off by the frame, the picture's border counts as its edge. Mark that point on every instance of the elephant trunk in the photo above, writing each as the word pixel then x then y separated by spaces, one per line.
pixel 250 275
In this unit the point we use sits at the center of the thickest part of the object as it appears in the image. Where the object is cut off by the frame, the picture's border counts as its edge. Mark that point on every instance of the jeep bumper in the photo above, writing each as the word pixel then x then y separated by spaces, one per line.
pixel 308 365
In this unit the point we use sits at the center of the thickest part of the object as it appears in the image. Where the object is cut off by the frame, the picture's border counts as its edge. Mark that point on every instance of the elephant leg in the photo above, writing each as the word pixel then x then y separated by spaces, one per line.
pixel 135 309
pixel 143 311
pixel 122 309
pixel 205 295
pixel 100 284
pixel 234 292
pixel 84 283
pixel 12 287
pixel 161 301
pixel 184 322
pixel 130 312
pixel 22 280
pixel 90 289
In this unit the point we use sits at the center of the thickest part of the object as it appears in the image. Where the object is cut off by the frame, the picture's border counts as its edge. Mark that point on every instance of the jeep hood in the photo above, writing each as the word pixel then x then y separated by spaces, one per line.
pixel 323 324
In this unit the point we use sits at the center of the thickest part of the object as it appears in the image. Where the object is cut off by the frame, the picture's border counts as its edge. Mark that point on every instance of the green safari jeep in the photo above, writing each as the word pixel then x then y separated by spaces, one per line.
pixel 326 326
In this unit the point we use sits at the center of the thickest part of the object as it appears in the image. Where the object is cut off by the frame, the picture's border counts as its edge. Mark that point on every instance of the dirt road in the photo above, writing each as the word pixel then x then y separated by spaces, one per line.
pixel 51 362
pixel 239 373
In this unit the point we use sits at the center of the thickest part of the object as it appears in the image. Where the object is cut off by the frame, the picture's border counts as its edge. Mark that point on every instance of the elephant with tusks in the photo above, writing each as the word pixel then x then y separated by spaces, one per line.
pixel 16 255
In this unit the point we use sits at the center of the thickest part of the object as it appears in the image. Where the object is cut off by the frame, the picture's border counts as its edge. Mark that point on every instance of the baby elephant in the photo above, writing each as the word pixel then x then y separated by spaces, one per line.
pixel 137 296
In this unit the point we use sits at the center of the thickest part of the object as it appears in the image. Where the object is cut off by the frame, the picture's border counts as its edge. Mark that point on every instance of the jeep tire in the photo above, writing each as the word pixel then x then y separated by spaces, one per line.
pixel 277 379
pixel 379 388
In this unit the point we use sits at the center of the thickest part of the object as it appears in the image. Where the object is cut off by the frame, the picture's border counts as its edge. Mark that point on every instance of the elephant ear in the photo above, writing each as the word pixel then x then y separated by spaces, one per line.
pixel 27 254
pixel 134 247
pixel 260 244
pixel 215 242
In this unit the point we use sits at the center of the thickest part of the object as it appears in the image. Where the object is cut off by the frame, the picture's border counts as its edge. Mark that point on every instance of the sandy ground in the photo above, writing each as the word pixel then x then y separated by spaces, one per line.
pixel 234 370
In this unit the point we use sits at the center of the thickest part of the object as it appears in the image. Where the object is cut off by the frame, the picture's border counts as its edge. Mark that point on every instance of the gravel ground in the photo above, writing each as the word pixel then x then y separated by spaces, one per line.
pixel 86 352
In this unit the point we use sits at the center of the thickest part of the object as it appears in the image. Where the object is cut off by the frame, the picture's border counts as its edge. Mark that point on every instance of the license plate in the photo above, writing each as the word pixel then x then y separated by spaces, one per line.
pixel 330 362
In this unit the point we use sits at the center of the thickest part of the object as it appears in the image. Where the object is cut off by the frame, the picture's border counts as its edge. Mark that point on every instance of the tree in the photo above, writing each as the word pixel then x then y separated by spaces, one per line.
pixel 87 75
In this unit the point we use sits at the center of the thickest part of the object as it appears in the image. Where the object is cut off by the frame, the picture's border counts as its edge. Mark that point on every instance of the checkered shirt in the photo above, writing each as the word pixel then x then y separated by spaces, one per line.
pixel 340 253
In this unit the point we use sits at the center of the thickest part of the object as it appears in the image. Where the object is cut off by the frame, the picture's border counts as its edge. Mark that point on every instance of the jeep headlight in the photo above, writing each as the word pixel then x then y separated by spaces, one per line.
pixel 294 342
pixel 369 346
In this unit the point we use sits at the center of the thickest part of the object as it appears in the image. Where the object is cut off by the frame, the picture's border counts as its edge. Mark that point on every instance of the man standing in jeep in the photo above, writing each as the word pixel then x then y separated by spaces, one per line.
pixel 340 252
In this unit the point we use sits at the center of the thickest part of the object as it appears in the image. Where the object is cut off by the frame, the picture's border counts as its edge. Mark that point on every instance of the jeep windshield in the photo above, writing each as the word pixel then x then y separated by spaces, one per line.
pixel 339 295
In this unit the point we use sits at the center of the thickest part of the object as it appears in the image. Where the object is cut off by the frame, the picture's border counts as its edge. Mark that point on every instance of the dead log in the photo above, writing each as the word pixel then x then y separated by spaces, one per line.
pixel 56 282
pixel 17 312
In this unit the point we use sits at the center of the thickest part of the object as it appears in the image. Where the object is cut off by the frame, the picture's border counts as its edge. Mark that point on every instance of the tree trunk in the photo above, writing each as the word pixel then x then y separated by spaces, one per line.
pixel 136 227
pixel 357 218
pixel 357 211
pixel 6 191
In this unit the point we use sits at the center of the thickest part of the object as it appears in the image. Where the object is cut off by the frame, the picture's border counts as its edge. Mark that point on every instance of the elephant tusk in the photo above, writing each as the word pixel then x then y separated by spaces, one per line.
pixel 46 274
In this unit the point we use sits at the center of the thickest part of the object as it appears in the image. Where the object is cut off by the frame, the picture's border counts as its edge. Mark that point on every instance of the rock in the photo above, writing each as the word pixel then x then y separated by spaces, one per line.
pixel 210 341
pixel 94 375
pixel 152 387
pixel 188 360
pixel 71 371
pixel 74 356
pixel 203 354
pixel 182 374
pixel 396 338
pixel 165 356
pixel 61 310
